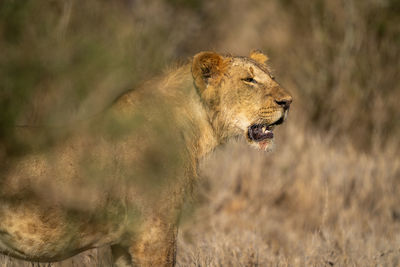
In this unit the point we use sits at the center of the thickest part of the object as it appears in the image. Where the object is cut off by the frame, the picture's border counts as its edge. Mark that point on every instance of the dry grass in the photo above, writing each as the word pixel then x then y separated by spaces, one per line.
pixel 313 202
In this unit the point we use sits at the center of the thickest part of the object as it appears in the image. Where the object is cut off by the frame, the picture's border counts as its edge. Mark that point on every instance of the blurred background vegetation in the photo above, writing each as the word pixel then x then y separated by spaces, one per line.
pixel 65 61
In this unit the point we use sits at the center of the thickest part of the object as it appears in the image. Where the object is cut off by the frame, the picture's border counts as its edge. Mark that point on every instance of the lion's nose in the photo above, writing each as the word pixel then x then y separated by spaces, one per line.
pixel 284 102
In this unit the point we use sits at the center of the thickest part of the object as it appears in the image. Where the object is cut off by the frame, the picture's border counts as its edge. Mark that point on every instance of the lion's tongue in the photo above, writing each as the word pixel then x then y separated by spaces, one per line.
pixel 263 145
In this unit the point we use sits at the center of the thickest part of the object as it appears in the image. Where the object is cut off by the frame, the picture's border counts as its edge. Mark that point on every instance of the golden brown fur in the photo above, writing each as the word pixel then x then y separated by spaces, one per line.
pixel 121 178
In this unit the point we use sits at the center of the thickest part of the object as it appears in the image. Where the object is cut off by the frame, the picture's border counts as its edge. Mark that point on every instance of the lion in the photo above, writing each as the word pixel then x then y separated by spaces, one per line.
pixel 121 178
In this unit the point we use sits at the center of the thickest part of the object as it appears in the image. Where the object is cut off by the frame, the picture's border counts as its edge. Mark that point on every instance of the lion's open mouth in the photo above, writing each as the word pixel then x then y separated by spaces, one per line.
pixel 260 132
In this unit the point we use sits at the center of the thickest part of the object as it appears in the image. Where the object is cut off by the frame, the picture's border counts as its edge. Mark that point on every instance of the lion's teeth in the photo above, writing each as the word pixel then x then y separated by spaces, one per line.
pixel 264 128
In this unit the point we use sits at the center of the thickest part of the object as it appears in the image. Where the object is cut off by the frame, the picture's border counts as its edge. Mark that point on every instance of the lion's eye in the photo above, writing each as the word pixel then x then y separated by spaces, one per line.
pixel 249 80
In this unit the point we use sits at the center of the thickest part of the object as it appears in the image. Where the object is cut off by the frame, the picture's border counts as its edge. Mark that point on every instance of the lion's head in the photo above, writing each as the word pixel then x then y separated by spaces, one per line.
pixel 242 96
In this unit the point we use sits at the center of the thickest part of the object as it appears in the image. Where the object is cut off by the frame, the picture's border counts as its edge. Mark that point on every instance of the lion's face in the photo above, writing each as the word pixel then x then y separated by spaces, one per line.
pixel 243 96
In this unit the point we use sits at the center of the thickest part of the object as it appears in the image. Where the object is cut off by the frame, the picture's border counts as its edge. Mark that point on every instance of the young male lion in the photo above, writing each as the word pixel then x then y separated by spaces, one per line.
pixel 120 179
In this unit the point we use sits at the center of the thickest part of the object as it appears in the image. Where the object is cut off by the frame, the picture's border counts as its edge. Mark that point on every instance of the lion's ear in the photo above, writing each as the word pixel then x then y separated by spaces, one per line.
pixel 258 56
pixel 207 67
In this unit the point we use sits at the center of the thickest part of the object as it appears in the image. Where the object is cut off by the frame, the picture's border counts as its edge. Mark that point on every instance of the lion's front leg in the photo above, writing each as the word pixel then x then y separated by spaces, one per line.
pixel 155 245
